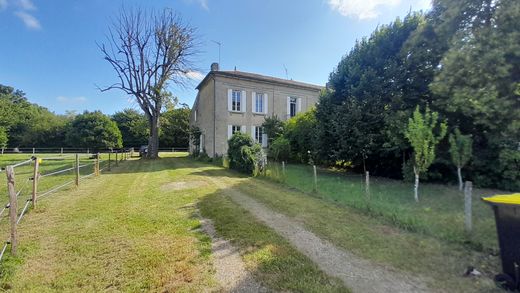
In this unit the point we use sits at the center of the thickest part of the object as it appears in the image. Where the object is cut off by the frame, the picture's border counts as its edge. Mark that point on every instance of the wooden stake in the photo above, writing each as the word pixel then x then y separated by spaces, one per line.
pixel 315 178
pixel 13 207
pixel 283 168
pixel 62 151
pixel 96 171
pixel 36 175
pixel 117 162
pixel 77 169
pixel 468 186
pixel 367 183
pixel 108 160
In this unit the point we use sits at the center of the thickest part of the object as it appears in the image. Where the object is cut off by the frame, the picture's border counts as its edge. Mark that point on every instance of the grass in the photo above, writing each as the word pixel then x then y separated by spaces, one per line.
pixel 127 230
pixel 439 214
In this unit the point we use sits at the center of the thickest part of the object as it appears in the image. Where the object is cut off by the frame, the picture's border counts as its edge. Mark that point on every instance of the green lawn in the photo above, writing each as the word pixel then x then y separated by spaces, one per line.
pixel 131 230
pixel 440 212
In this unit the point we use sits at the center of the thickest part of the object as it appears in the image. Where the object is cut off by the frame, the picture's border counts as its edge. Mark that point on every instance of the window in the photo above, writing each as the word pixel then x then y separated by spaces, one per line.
pixel 235 128
pixel 259 103
pixel 236 101
pixel 292 107
pixel 259 133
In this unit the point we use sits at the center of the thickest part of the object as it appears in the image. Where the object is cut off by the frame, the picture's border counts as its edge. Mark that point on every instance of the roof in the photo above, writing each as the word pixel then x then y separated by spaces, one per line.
pixel 513 199
pixel 259 77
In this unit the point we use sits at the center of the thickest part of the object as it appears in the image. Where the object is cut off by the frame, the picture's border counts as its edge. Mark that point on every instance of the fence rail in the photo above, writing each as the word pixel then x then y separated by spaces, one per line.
pixel 35 176
pixel 66 150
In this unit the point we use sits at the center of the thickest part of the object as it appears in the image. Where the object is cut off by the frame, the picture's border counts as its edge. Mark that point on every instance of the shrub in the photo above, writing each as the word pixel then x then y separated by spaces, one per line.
pixel 243 153
pixel 280 149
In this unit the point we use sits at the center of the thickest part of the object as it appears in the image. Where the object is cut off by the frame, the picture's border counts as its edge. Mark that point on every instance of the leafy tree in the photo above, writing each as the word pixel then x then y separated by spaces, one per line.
pixel 195 133
pixel 300 130
pixel 460 150
pixel 94 130
pixel 280 149
pixel 273 127
pixel 175 127
pixel 243 153
pixel 133 127
pixel 149 51
pixel 420 134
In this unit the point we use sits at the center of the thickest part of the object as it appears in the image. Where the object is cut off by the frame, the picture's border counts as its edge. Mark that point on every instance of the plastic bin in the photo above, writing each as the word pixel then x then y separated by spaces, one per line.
pixel 507 218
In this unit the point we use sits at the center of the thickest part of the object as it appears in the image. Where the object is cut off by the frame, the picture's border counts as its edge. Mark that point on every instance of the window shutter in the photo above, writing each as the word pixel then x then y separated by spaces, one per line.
pixel 244 102
pixel 265 104
pixel 229 131
pixel 253 102
pixel 264 140
pixel 253 133
pixel 288 107
pixel 299 105
pixel 243 129
pixel 230 99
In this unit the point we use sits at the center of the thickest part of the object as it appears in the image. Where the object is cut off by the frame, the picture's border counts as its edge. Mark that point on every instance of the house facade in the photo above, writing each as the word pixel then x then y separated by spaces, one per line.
pixel 231 101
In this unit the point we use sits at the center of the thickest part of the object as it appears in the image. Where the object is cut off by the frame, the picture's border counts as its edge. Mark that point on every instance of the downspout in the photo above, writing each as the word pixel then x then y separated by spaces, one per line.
pixel 214 117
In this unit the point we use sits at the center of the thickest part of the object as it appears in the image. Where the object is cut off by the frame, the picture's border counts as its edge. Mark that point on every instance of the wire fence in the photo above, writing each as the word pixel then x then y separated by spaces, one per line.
pixel 29 181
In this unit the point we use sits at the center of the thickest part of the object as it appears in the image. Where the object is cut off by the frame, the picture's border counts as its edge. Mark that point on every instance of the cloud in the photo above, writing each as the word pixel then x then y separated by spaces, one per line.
pixel 71 100
pixel 26 4
pixel 194 75
pixel 30 21
pixel 3 4
pixel 369 9
pixel 202 3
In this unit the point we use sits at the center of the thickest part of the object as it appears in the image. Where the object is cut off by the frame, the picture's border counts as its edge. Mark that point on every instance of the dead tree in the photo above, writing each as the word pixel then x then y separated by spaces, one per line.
pixel 149 51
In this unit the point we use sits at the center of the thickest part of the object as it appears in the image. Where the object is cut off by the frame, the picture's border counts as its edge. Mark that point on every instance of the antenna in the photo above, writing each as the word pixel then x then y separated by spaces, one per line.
pixel 286 74
pixel 219 44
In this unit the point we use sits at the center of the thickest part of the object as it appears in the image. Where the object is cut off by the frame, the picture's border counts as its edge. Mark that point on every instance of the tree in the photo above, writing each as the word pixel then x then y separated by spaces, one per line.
pixel 133 127
pixel 175 127
pixel 273 127
pixel 460 150
pixel 420 134
pixel 94 130
pixel 149 51
pixel 280 149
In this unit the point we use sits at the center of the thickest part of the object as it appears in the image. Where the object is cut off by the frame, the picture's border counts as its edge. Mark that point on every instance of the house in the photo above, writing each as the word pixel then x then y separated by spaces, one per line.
pixel 231 101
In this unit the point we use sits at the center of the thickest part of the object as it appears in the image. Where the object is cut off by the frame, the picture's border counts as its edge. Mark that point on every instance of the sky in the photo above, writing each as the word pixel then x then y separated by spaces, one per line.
pixel 49 49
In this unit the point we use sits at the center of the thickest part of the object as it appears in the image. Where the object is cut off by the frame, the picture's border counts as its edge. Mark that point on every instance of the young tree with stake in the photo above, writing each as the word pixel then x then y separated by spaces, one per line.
pixel 420 134
pixel 460 150
pixel 149 51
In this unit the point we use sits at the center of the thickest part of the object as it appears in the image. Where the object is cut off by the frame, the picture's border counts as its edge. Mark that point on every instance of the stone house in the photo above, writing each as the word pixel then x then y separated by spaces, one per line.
pixel 230 101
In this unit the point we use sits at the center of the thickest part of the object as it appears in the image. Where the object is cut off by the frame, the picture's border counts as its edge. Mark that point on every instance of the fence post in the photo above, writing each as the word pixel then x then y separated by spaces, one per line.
pixel 367 183
pixel 62 151
pixel 283 168
pixel 97 165
pixel 36 175
pixel 467 206
pixel 116 159
pixel 109 160
pixel 315 178
pixel 13 208
pixel 33 151
pixel 3 151
pixel 77 169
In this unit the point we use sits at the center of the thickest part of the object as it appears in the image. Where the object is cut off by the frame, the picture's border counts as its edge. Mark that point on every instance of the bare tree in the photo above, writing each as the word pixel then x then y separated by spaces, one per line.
pixel 149 51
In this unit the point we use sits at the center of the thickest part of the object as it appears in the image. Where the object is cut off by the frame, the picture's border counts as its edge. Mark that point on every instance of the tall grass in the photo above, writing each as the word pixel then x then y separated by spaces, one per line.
pixel 440 212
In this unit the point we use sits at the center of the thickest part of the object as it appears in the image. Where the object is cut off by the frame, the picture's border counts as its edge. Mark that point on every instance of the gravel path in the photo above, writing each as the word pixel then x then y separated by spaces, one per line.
pixel 358 274
pixel 231 272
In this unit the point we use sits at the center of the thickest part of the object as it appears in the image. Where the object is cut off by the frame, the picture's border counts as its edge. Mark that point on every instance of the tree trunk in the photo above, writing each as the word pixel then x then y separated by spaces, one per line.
pixel 153 139
pixel 459 173
pixel 416 187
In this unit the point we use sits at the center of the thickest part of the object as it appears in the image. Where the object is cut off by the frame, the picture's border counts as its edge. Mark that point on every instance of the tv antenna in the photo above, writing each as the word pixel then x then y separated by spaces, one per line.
pixel 286 74
pixel 219 44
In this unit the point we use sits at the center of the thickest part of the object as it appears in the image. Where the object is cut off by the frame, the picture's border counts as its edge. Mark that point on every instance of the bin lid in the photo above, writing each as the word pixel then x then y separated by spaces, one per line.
pixel 510 199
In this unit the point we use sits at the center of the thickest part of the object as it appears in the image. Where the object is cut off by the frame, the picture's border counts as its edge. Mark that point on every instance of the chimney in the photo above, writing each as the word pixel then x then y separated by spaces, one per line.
pixel 214 66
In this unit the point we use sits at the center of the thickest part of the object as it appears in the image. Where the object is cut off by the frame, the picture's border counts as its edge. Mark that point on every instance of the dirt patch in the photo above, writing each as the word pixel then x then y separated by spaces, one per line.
pixel 181 185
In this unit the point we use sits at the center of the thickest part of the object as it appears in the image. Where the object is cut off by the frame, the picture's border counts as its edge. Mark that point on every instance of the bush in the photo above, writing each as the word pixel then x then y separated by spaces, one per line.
pixel 244 154
pixel 280 149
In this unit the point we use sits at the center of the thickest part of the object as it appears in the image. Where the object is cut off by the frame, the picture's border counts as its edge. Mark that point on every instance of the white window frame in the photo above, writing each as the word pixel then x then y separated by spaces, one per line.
pixel 255 101
pixel 297 106
pixel 236 101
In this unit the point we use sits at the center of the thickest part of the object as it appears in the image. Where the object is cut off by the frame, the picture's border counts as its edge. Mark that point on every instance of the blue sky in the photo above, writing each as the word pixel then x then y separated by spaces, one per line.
pixel 49 50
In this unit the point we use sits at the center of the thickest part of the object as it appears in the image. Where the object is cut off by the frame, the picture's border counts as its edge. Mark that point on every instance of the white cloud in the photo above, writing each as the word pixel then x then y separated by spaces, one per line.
pixel 194 75
pixel 204 4
pixel 3 4
pixel 71 100
pixel 30 21
pixel 362 9
pixel 26 4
